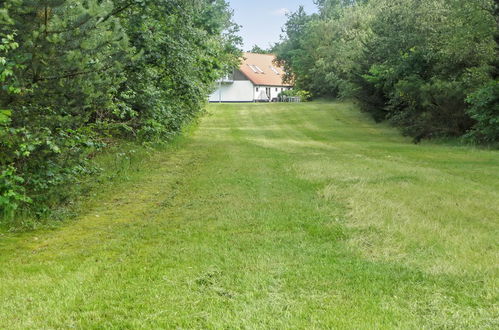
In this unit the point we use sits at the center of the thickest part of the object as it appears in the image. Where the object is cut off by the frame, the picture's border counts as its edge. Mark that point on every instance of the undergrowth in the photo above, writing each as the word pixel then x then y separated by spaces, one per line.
pixel 119 162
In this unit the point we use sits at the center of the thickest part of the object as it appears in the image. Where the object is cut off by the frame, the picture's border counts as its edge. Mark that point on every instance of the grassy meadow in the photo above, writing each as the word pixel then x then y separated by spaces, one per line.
pixel 272 216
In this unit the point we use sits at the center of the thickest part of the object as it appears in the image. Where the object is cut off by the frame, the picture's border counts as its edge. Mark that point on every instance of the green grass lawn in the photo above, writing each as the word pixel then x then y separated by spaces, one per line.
pixel 272 216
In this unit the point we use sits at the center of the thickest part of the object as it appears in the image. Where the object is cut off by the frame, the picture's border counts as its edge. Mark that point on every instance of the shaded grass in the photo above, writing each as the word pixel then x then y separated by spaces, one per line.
pixel 119 162
pixel 272 216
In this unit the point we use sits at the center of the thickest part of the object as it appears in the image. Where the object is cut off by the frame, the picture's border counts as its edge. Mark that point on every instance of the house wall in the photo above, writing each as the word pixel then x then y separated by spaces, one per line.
pixel 237 91
pixel 274 91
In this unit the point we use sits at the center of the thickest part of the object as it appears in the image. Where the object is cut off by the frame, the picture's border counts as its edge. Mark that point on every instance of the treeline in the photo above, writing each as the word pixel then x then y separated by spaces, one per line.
pixel 76 74
pixel 430 67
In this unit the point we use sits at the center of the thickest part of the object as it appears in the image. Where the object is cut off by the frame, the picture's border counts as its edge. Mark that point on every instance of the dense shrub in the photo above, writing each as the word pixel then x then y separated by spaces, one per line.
pixel 485 111
pixel 303 95
pixel 78 73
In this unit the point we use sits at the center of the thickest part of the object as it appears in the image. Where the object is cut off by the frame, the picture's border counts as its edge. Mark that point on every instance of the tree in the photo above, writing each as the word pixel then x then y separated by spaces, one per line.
pixel 291 54
pixel 257 50
pixel 90 71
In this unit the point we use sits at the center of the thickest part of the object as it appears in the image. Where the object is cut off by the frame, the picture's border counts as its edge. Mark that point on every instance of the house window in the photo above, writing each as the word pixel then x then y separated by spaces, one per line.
pixel 257 68
pixel 277 89
pixel 257 89
pixel 253 68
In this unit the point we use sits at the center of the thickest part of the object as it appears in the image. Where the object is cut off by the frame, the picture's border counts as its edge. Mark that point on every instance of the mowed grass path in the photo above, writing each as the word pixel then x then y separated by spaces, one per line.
pixel 273 216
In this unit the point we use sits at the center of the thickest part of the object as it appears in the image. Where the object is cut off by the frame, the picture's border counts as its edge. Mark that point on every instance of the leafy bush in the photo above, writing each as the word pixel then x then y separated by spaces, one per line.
pixel 12 194
pixel 303 95
pixel 485 110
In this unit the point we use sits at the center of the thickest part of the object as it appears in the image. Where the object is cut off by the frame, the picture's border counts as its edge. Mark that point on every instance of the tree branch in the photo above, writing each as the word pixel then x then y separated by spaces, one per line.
pixel 74 74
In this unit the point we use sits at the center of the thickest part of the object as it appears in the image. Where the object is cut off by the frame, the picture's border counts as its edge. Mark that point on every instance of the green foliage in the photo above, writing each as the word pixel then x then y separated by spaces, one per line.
pixel 485 110
pixel 12 192
pixel 78 74
pixel 303 95
pixel 258 50
pixel 291 55
pixel 412 62
pixel 7 66
pixel 165 86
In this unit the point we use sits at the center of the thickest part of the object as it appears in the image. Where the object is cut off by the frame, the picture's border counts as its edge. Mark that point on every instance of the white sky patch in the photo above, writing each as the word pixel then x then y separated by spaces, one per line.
pixel 281 12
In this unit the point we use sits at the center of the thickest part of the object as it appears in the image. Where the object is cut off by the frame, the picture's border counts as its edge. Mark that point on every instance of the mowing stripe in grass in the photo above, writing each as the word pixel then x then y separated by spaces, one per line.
pixel 273 216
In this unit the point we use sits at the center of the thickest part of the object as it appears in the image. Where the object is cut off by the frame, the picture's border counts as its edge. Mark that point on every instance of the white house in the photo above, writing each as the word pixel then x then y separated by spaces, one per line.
pixel 258 79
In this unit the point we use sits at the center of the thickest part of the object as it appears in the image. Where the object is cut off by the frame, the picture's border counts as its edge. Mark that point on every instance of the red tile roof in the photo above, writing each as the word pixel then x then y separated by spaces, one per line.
pixel 264 66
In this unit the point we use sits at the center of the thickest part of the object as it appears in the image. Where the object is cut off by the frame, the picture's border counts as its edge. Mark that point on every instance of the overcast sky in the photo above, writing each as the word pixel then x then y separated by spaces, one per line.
pixel 262 20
